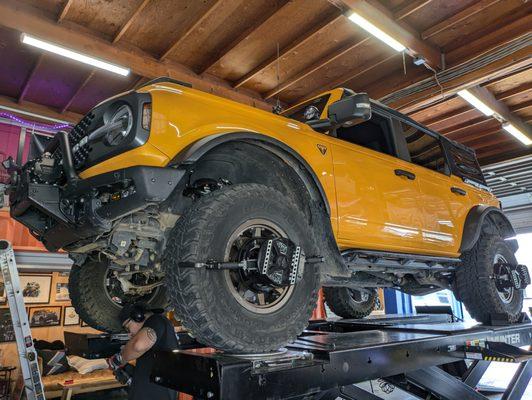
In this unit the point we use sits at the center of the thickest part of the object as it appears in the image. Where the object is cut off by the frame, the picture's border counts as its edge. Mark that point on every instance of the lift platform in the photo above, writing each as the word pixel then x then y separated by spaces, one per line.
pixel 422 354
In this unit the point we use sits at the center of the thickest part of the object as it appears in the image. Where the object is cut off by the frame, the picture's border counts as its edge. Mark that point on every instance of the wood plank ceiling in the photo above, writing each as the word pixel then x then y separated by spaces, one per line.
pixel 229 47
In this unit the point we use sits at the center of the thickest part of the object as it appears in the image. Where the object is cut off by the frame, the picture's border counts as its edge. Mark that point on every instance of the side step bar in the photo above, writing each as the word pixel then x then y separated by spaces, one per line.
pixel 379 261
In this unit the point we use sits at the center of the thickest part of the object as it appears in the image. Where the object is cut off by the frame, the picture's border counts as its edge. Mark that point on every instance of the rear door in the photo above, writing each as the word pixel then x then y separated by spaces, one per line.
pixel 377 193
pixel 441 202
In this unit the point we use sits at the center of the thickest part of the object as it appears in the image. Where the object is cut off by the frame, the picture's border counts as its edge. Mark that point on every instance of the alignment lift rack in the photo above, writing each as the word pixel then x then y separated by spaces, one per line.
pixel 422 354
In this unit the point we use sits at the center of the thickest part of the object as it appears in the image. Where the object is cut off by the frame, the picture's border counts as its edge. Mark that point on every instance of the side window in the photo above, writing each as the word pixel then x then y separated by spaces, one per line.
pixel 375 134
pixel 465 164
pixel 425 150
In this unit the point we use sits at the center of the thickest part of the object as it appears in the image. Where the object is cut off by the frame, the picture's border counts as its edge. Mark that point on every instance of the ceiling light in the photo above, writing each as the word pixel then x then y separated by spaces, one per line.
pixel 475 102
pixel 512 130
pixel 53 48
pixel 379 34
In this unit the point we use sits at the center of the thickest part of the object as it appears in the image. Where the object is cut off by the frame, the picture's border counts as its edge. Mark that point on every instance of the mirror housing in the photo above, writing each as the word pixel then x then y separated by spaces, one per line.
pixel 350 108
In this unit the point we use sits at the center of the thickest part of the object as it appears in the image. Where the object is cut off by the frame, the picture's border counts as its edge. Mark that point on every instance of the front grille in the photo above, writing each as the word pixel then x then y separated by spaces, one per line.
pixel 78 141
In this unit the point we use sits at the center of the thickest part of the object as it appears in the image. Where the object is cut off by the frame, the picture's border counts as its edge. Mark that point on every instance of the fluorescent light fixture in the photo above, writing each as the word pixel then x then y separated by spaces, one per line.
pixel 53 48
pixel 512 130
pixel 475 102
pixel 379 34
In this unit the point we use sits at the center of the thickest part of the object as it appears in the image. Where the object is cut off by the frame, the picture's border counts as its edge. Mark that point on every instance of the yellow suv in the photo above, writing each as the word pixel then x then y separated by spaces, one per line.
pixel 237 216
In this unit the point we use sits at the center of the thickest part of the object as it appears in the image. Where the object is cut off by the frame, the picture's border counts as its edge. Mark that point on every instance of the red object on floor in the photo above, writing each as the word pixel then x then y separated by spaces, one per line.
pixel 319 312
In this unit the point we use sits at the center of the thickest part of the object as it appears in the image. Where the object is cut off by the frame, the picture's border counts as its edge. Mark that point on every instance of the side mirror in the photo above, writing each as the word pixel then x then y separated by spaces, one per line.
pixel 350 108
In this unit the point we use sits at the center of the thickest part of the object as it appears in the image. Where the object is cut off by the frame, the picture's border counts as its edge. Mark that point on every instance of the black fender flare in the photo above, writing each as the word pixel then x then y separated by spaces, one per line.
pixel 305 172
pixel 473 226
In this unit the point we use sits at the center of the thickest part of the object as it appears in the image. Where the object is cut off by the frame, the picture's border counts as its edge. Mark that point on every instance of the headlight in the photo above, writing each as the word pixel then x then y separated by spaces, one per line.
pixel 119 126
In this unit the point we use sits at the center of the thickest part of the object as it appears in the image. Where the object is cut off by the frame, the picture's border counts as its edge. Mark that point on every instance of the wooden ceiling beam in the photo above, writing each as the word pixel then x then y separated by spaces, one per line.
pixel 184 36
pixel 78 90
pixel 400 32
pixel 303 39
pixel 457 18
pixel 501 109
pixel 267 17
pixel 329 58
pixel 38 109
pixel 410 8
pixel 21 17
pixel 130 20
pixel 27 82
pixel 64 10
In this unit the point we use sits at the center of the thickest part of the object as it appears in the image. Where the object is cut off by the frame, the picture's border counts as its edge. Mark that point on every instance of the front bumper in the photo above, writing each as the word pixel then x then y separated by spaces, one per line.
pixel 60 216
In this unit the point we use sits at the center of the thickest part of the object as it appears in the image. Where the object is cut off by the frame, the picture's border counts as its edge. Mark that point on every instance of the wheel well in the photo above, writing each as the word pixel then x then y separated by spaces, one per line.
pixel 486 219
pixel 252 162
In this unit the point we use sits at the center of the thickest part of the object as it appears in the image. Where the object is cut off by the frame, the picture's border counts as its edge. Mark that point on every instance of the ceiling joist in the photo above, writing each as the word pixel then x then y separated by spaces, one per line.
pixel 78 90
pixel 130 20
pixel 64 10
pixel 329 58
pixel 410 8
pixel 305 38
pixel 267 17
pixel 27 83
pixel 184 36
pixel 448 23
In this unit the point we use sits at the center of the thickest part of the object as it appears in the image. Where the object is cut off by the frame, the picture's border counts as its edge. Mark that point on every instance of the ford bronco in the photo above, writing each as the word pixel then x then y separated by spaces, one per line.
pixel 236 216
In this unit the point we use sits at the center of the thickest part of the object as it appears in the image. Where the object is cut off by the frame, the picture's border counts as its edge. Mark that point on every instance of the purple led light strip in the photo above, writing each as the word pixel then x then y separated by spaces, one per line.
pixel 50 127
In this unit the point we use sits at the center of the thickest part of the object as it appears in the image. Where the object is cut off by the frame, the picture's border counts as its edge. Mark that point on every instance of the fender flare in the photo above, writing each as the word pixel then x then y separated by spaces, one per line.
pixel 473 226
pixel 305 172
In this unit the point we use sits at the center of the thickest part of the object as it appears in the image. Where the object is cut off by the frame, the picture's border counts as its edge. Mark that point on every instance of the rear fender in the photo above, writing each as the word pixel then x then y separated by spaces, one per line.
pixel 485 218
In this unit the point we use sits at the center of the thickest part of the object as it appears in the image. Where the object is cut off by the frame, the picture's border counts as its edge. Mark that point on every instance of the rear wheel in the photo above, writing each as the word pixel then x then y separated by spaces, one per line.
pixel 98 297
pixel 350 303
pixel 476 281
pixel 236 310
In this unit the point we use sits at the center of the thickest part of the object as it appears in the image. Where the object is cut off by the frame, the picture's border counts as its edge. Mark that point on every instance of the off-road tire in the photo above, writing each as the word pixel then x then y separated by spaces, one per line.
pixel 89 298
pixel 202 299
pixel 474 285
pixel 341 302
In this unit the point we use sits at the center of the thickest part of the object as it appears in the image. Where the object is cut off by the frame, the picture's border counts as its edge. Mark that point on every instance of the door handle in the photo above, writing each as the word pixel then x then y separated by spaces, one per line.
pixel 408 174
pixel 459 191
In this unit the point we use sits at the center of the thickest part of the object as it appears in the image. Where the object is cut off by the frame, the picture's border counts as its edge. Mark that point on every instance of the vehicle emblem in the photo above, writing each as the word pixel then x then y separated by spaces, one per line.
pixel 322 148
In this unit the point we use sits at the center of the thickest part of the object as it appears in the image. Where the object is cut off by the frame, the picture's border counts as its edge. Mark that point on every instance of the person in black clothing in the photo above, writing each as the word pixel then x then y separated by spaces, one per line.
pixel 150 332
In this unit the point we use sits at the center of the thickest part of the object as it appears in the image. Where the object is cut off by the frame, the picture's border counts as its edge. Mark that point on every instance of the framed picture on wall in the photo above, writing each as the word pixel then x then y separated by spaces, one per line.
pixel 36 288
pixel 70 316
pixel 61 292
pixel 45 316
pixel 7 333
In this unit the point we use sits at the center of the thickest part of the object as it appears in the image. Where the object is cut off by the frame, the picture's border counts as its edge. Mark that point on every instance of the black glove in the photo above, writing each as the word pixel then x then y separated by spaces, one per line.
pixel 116 361
pixel 124 375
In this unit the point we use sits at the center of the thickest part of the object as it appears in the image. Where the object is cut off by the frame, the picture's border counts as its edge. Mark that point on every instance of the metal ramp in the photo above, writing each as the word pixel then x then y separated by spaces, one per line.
pixel 423 354
pixel 28 356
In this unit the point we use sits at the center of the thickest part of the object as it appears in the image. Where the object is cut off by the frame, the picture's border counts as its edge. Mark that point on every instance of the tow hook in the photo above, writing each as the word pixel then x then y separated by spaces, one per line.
pixel 514 276
pixel 280 260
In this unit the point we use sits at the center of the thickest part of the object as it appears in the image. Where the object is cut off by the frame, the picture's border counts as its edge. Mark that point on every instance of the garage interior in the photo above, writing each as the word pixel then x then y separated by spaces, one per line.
pixel 462 68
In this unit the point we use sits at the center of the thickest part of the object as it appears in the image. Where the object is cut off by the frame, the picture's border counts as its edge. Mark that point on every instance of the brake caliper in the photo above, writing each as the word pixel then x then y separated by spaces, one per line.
pixel 511 276
pixel 281 261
